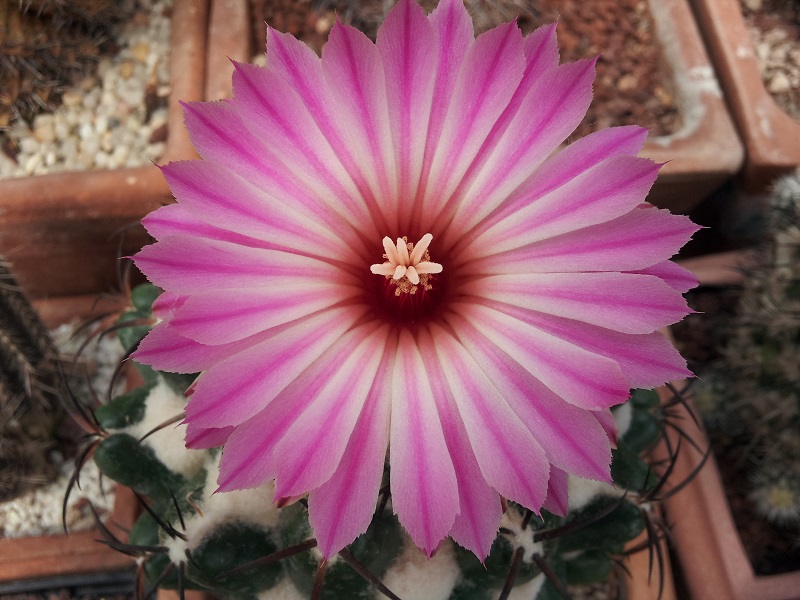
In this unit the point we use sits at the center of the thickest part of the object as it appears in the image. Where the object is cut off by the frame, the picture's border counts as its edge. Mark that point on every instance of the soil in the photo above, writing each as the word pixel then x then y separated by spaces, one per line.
pixel 633 84
pixel 700 337
pixel 775 30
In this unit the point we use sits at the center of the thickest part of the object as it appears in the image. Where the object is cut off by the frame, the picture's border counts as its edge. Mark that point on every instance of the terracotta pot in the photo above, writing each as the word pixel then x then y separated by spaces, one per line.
pixel 35 558
pixel 639 582
pixel 711 554
pixel 54 227
pixel 706 150
pixel 771 137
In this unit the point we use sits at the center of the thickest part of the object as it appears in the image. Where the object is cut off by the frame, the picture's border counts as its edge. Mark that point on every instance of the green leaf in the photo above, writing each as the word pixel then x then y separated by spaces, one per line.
pixel 130 335
pixel 122 458
pixel 588 567
pixel 621 525
pixel 647 399
pixel 124 410
pixel 494 571
pixel 229 546
pixel 143 296
pixel 629 470
pixel 376 549
pixel 644 430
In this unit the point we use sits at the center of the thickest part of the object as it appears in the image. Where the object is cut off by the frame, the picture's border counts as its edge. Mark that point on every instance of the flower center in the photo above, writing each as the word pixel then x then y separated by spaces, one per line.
pixel 408 266
pixel 406 292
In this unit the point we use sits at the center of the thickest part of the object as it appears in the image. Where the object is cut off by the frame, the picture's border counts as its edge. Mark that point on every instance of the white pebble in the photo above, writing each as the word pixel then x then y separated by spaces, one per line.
pixel 779 83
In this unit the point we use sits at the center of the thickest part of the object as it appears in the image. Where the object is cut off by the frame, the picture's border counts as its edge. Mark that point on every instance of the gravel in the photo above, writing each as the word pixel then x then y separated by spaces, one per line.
pixel 39 511
pixel 116 117
pixel 774 27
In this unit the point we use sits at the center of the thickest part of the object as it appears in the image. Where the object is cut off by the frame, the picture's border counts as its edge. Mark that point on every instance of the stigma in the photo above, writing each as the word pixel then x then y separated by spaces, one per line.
pixel 408 266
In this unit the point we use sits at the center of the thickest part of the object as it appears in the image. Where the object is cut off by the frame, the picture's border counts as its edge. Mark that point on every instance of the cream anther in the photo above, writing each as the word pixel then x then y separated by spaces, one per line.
pixel 407 265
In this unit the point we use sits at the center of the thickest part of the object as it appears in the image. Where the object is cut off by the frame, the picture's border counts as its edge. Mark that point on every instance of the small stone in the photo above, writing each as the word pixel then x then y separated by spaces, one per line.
pixel 140 51
pixel 753 5
pixel 44 128
pixel 126 70
pixel 71 98
pixel 33 163
pixel 29 145
pixel 86 131
pixel 627 82
pixel 779 83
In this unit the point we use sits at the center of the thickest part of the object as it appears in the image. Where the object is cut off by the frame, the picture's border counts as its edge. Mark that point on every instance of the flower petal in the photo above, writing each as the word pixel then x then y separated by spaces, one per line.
pixel 352 66
pixel 199 438
pixel 636 240
pixel 219 317
pixel 624 302
pixel 223 199
pixel 256 375
pixel 194 265
pixel 646 360
pixel 409 51
pixel 310 451
pixel 608 190
pixel 582 378
pixel 672 274
pixel 511 460
pixel 476 525
pixel 489 75
pixel 423 479
pixel 548 113
pixel 557 492
pixel 570 436
pixel 341 509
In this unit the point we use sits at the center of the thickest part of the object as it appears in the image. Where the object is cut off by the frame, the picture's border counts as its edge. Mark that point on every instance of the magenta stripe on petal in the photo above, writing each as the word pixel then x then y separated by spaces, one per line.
pixel 569 435
pixel 636 240
pixel 549 112
pixel 625 302
pixel 511 460
pixel 199 438
pixel 248 459
pixel 673 275
pixel 580 377
pixel 187 264
pixel 489 75
pixel 606 191
pixel 409 52
pixel 219 317
pixel 166 350
pixel 557 492
pixel 221 198
pixel 645 360
pixel 475 527
pixel 341 509
pixel 256 375
pixel 423 479
pixel 313 446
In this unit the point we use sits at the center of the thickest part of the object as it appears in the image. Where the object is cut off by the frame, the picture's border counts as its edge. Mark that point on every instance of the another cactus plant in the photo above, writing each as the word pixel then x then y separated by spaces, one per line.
pixel 239 544
pixel 30 407
pixel 751 399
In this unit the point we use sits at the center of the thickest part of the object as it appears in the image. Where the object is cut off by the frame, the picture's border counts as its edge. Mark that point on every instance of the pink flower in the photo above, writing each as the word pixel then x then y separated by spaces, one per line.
pixel 384 248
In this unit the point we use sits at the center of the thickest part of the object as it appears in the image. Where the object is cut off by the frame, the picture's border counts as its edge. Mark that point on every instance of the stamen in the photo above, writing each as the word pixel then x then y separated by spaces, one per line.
pixel 408 266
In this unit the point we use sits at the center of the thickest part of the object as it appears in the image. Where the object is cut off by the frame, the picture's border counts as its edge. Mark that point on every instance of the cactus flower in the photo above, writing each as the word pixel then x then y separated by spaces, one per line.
pixel 385 249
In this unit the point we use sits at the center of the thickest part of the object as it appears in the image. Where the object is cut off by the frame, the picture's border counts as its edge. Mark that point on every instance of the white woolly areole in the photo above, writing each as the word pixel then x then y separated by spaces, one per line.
pixel 162 404
pixel 526 591
pixel 253 506
pixel 413 577
pixel 623 415
pixel 583 491
pixel 512 520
